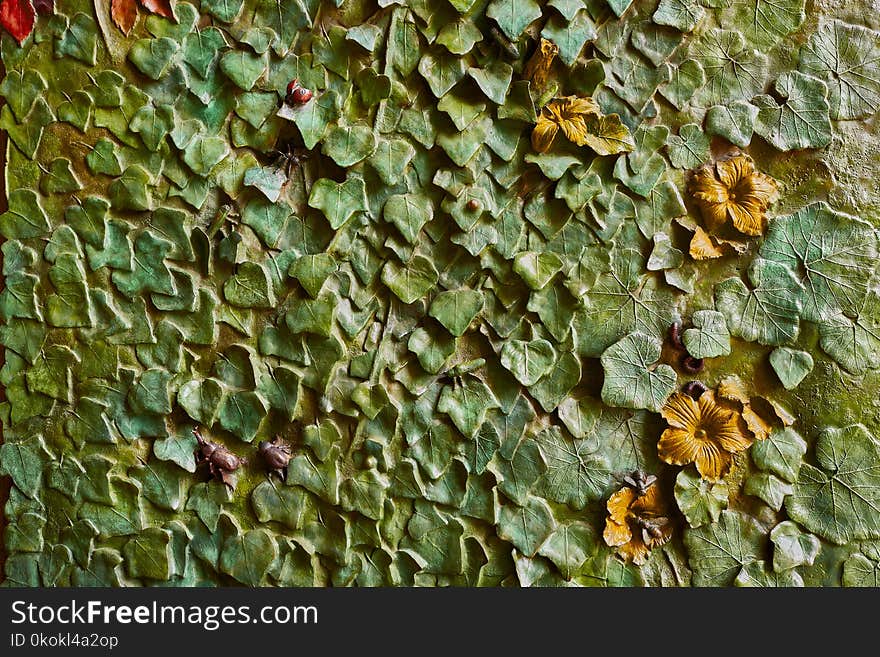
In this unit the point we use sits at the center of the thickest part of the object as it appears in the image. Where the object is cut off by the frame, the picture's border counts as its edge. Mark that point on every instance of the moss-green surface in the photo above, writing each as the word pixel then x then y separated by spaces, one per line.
pixel 372 303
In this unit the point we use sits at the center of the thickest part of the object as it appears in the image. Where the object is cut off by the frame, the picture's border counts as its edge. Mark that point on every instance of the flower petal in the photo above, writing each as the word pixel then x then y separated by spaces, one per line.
pixel 712 462
pixel 705 187
pixel 681 411
pixel 543 134
pixel 635 551
pixel 703 247
pixel 747 217
pixel 732 171
pixel 678 446
pixel 619 503
pixel 616 534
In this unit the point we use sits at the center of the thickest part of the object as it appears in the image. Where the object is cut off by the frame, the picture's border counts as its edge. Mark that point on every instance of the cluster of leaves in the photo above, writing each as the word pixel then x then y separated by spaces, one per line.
pixel 392 280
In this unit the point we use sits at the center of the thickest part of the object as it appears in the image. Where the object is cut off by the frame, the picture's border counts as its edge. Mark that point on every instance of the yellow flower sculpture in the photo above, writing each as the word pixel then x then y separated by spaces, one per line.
pixel 733 190
pixel 538 67
pixel 636 523
pixel 581 121
pixel 703 432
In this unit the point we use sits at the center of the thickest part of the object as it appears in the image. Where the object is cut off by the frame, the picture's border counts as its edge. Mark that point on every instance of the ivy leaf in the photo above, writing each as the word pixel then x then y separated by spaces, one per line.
pixel 860 571
pixel 129 192
pixel 249 287
pixel 791 366
pixel 844 57
pixel 631 381
pixel 201 400
pixel 226 11
pixel 241 414
pixel 150 273
pixel 152 57
pixel 734 121
pixel 269 180
pixel 717 552
pixel 570 35
pixel 403 43
pixel 768 488
pixel 441 71
pixel 684 81
pixel 312 271
pixel 103 159
pixel 432 347
pixel 207 499
pixel 25 217
pixel 680 14
pixel 349 145
pixel 77 111
pixel 622 302
pixel 556 308
pixel 339 201
pixel 781 453
pixel 247 557
pixel 244 68
pixel 701 502
pixel 201 47
pixel 756 574
pixel 153 123
pixel 576 473
pixel 312 315
pixel 178 449
pixel 202 154
pixel 24 463
pixel 286 18
pixel 764 22
pixel 839 499
pixel 21 90
pixel 149 554
pixel 466 404
pixel 689 148
pixel 59 179
pixel 709 338
pixel 27 135
pixel 313 118
pixel 124 517
pixel 409 213
pixel 456 309
pixel 460 36
pixel 769 312
pixel 792 547
pixel 527 527
pixel 411 281
pixel 493 80
pixel 391 158
pixel 528 361
pixel 568 547
pixel 513 16
pixel 733 72
pixel 802 121
pixel 854 343
pixel 286 505
pixel 518 474
pixel 834 254
pixel 161 483
pixel 608 135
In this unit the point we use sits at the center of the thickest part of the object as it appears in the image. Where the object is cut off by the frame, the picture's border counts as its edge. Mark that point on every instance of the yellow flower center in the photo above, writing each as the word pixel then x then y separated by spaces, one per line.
pixel 700 434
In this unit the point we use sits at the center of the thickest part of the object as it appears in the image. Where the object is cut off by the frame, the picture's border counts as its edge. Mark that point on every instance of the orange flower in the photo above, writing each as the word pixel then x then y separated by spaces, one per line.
pixel 636 524
pixel 538 67
pixel 701 432
pixel 733 190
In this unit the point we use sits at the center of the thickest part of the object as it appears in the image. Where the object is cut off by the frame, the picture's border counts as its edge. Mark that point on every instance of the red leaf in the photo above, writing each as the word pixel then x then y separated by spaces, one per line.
pixel 17 16
pixel 160 7
pixel 124 13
